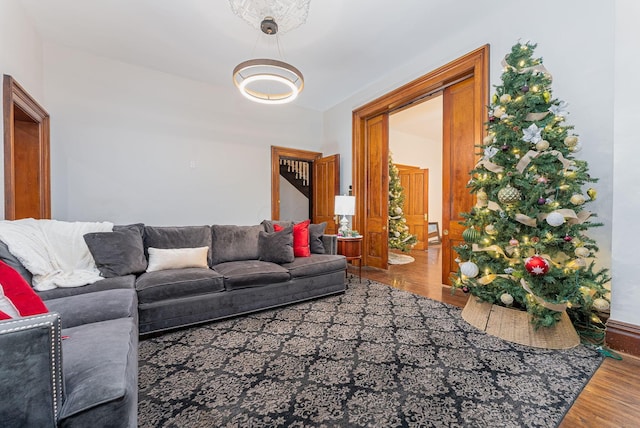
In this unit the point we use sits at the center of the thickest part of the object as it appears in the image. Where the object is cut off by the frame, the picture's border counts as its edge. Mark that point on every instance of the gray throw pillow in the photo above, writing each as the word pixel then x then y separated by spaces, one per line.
pixel 117 253
pixel 232 243
pixel 315 237
pixel 276 247
pixel 268 224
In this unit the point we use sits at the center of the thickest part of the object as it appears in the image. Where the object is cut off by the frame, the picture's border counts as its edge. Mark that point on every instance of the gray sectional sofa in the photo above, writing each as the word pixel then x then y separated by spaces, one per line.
pixel 76 366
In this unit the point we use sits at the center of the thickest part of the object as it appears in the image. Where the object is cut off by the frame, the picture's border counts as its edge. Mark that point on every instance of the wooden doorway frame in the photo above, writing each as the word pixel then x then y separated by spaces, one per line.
pixel 18 103
pixel 475 63
pixel 276 154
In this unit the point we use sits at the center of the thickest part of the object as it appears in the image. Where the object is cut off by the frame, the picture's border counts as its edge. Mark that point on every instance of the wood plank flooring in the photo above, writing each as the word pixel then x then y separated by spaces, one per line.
pixel 611 399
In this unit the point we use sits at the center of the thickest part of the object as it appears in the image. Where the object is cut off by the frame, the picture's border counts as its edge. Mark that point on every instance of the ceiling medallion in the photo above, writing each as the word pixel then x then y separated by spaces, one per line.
pixel 270 81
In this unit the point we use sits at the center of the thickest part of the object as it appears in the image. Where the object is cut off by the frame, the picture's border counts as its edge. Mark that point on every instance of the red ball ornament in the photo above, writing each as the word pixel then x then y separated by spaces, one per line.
pixel 542 201
pixel 465 289
pixel 536 265
pixel 567 238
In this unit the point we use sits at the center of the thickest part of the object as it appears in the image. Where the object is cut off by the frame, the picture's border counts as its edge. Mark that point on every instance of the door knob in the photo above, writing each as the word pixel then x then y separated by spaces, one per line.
pixel 445 232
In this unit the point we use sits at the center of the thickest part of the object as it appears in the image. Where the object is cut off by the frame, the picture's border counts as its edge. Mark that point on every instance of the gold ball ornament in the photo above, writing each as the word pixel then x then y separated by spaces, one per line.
pixel 571 141
pixel 488 139
pixel 582 252
pixel 494 98
pixel 498 112
pixel 490 229
pixel 592 193
pixel 507 299
pixel 600 304
pixel 546 95
pixel 577 199
pixel 505 98
pixel 542 145
pixel 509 195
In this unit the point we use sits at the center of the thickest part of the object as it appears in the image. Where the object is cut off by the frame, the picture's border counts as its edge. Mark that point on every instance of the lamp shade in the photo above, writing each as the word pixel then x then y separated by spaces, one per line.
pixel 345 205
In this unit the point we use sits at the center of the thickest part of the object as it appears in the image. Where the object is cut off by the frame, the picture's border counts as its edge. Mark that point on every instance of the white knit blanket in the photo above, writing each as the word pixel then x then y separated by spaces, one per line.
pixel 53 251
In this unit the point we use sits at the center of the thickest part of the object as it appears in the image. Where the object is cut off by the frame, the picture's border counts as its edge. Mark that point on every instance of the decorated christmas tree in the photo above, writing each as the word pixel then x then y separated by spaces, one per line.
pixel 525 240
pixel 399 236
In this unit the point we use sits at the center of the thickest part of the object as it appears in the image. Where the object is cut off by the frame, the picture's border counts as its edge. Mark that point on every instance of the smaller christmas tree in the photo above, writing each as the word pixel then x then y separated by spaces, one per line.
pixel 399 236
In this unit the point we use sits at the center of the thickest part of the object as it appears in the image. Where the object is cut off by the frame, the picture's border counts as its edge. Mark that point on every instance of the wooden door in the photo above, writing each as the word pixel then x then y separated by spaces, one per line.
pixel 27 189
pixel 325 185
pixel 415 182
pixel 376 235
pixel 460 134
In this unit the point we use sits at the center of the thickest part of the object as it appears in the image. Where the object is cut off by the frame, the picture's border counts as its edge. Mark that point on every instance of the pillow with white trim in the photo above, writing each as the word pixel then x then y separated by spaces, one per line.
pixel 17 298
pixel 177 258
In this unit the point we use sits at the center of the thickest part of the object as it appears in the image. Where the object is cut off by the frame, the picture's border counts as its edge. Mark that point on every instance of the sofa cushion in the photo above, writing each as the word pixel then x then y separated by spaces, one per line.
pixel 317 264
pixel 315 237
pixel 17 298
pixel 100 368
pixel 95 307
pixel 117 253
pixel 11 260
pixel 251 273
pixel 177 258
pixel 231 243
pixel 168 284
pixel 177 237
pixel 127 281
pixel 276 247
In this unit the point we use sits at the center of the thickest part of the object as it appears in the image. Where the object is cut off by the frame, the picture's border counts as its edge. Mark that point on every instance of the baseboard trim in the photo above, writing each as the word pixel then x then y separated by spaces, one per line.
pixel 623 337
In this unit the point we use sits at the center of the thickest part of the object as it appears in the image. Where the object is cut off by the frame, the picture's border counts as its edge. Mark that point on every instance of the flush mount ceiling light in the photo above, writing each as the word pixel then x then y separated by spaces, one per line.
pixel 270 81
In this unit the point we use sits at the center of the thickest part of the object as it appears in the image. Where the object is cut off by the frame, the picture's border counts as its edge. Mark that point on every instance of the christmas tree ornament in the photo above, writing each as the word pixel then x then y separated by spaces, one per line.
pixel 536 265
pixel 494 98
pixel 524 89
pixel 532 134
pixel 397 210
pixel 509 270
pixel 492 118
pixel 576 264
pixel 546 96
pixel 592 193
pixel 571 141
pixel 576 148
pixel 601 304
pixel 471 235
pixel 507 299
pixel 542 145
pixel 514 242
pixel 499 112
pixel 567 238
pixel 505 98
pixel 542 179
pixel 490 229
pixel 465 289
pixel 541 201
pixel 469 269
pixel 509 195
pixel 488 139
pixel 504 148
pixel 582 252
pixel 555 219
pixel 577 199
pixel 535 240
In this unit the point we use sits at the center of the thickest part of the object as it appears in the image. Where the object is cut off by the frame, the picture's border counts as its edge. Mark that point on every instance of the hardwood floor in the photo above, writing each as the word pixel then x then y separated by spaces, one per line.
pixel 610 399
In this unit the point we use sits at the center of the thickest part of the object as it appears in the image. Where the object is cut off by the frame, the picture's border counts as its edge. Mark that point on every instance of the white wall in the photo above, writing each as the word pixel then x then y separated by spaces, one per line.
pixel 626 174
pixel 413 150
pixel 21 58
pixel 131 144
pixel 293 204
pixel 576 40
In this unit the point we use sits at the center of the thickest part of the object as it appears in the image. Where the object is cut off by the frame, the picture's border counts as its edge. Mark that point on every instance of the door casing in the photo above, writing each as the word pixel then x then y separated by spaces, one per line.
pixel 474 64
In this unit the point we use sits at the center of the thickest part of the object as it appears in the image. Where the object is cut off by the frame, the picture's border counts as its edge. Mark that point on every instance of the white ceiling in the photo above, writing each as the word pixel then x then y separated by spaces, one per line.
pixel 344 45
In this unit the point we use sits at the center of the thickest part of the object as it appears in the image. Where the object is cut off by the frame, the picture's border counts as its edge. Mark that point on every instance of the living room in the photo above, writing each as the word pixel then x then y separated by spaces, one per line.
pixel 135 142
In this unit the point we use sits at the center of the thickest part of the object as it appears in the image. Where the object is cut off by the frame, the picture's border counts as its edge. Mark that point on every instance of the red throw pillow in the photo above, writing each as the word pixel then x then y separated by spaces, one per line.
pixel 19 294
pixel 300 238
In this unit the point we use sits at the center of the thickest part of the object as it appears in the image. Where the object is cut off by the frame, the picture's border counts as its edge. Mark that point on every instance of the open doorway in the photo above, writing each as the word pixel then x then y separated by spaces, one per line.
pixel 464 84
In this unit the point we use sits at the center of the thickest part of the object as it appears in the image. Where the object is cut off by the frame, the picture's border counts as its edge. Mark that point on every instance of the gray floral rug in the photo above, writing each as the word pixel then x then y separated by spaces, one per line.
pixel 373 357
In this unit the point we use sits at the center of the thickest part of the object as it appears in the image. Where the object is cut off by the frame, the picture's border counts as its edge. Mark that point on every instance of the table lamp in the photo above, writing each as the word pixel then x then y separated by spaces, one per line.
pixel 344 206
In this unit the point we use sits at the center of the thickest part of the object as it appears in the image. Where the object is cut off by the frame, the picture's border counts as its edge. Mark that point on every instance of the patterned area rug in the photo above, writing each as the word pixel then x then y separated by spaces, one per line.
pixel 373 357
